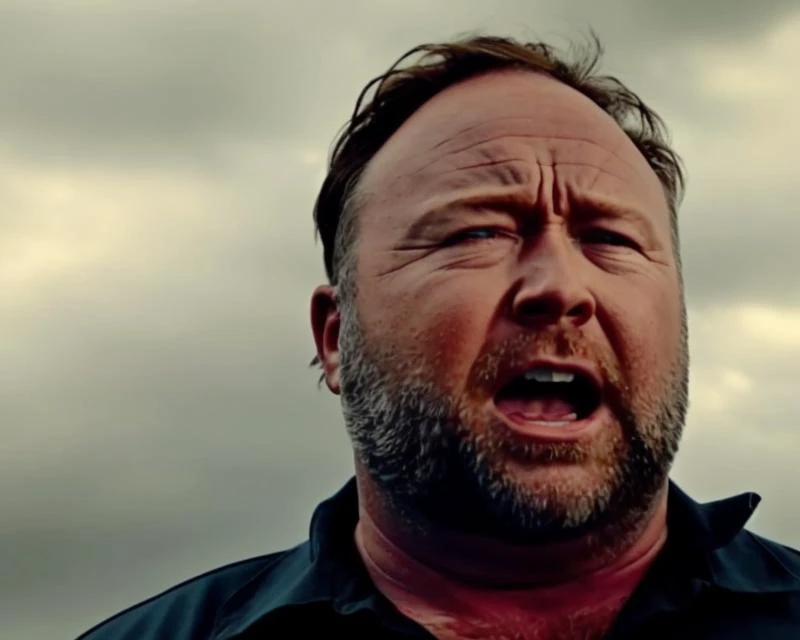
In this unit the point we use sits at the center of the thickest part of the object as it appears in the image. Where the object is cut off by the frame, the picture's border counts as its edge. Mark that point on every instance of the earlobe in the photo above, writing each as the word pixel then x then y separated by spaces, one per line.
pixel 325 323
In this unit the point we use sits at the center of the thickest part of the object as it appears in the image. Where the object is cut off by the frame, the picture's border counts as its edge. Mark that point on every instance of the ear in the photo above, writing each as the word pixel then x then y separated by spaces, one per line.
pixel 325 323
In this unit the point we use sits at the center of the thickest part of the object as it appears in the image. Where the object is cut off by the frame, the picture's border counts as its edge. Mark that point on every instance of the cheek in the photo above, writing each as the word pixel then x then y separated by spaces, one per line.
pixel 644 329
pixel 440 326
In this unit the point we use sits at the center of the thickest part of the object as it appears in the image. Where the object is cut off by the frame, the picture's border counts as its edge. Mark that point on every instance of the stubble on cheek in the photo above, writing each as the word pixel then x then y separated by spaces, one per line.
pixel 653 372
pixel 431 340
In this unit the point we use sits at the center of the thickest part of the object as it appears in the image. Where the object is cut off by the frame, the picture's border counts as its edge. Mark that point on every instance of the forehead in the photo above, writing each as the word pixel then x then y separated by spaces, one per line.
pixel 501 129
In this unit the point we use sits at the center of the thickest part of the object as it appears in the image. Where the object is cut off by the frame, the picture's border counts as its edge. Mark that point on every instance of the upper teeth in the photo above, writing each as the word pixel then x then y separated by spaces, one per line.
pixel 548 375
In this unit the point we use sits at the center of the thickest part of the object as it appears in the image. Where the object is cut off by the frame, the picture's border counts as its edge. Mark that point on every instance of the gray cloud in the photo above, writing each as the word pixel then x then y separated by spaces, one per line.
pixel 179 78
pixel 736 259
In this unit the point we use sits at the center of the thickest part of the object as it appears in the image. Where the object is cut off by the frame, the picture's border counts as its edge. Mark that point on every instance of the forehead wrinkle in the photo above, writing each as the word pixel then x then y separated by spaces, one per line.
pixel 469 187
pixel 501 170
pixel 552 165
pixel 468 191
pixel 523 195
pixel 491 153
pixel 506 172
pixel 472 127
pixel 488 163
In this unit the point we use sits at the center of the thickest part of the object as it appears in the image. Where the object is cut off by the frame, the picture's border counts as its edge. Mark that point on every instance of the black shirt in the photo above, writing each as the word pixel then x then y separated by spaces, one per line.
pixel 713 579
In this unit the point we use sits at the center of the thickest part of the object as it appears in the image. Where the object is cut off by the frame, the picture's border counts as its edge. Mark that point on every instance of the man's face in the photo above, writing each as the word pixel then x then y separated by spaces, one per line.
pixel 511 228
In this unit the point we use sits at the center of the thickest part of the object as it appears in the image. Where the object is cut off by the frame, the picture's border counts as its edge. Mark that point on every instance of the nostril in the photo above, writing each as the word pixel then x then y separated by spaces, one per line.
pixel 547 311
pixel 583 309
pixel 543 309
pixel 551 299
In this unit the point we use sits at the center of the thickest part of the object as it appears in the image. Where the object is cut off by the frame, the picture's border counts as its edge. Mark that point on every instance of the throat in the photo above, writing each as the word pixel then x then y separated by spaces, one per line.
pixel 416 560
pixel 452 609
pixel 440 579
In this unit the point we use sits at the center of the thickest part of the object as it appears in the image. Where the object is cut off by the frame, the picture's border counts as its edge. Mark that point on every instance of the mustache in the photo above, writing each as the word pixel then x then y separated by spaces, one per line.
pixel 556 342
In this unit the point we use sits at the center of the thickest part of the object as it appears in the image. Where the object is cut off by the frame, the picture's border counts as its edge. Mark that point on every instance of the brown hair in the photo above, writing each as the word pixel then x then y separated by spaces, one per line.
pixel 403 89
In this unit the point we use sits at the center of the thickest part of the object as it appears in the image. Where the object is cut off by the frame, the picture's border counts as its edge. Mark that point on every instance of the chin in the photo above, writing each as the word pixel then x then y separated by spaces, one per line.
pixel 562 484
pixel 577 478
pixel 557 491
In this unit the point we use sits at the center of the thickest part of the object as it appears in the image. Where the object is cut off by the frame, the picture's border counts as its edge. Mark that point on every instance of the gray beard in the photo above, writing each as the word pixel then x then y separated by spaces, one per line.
pixel 416 444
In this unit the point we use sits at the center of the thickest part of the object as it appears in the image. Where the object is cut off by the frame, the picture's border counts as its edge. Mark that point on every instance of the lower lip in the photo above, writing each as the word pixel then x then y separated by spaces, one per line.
pixel 541 432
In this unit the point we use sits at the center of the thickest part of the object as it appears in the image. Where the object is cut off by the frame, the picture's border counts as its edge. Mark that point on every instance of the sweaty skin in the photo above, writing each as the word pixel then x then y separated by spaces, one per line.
pixel 511 204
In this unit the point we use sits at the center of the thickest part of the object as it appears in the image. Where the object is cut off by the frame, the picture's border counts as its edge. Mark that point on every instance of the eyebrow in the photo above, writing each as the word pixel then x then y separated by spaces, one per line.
pixel 598 208
pixel 519 203
pixel 441 212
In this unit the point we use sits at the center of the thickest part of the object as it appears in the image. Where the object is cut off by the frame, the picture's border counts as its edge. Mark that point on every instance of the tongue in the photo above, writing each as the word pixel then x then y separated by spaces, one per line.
pixel 549 408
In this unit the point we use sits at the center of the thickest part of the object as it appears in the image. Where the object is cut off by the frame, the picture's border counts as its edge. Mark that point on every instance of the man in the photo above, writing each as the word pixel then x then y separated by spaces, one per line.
pixel 505 326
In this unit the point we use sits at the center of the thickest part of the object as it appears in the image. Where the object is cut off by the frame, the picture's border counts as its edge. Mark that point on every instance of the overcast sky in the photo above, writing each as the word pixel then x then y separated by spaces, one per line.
pixel 158 164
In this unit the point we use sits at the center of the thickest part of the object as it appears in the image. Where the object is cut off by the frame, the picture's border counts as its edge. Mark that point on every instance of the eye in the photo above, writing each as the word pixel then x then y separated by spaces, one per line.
pixel 607 237
pixel 476 234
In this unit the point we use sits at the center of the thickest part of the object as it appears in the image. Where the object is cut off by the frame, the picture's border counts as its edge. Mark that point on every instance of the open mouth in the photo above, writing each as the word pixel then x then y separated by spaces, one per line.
pixel 550 396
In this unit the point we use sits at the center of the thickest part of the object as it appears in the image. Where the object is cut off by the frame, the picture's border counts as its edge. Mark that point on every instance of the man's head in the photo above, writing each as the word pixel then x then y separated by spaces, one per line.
pixel 494 216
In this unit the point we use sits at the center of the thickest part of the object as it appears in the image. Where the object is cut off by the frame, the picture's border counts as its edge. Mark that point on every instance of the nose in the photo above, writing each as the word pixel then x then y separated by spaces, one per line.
pixel 550 289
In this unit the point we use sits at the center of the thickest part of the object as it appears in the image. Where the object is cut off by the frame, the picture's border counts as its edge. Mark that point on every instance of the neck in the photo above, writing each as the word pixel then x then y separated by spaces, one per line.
pixel 412 558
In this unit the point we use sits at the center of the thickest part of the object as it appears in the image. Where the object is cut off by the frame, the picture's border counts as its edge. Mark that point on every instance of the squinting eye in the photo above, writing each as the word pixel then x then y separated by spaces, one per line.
pixel 606 237
pixel 478 233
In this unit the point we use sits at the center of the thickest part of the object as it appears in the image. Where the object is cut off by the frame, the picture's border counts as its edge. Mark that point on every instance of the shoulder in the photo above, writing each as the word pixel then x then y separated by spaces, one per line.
pixel 758 594
pixel 756 564
pixel 190 609
pixel 785 556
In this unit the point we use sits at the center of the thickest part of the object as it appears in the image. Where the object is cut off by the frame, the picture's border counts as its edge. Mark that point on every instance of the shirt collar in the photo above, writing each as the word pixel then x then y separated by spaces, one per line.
pixel 327 570
pixel 707 526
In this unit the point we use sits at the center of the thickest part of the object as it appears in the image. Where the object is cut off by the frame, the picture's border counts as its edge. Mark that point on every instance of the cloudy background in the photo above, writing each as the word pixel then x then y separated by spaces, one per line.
pixel 158 165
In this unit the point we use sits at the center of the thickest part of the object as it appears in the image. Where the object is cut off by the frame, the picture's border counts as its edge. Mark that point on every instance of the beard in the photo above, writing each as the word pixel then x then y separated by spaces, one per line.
pixel 441 461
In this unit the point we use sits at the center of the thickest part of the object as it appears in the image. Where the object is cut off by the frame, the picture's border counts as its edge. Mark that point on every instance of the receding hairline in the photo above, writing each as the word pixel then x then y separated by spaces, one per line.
pixel 631 117
pixel 364 194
